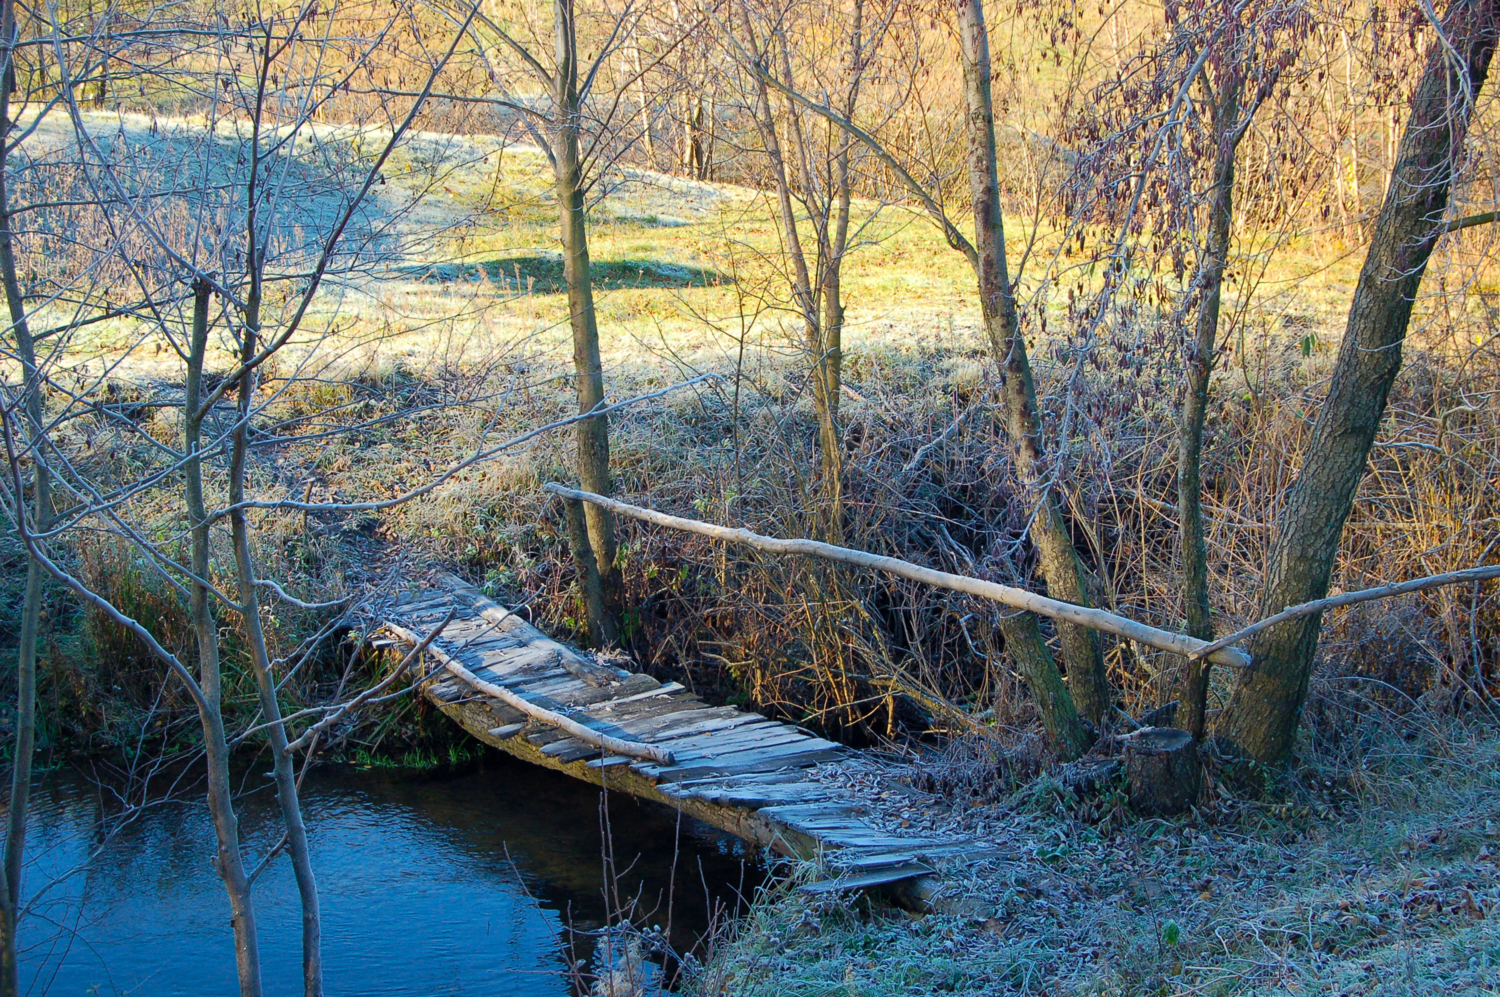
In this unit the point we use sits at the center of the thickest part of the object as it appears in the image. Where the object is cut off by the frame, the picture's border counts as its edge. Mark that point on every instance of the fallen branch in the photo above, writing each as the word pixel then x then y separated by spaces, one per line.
pixel 605 742
pixel 1349 599
pixel 1007 595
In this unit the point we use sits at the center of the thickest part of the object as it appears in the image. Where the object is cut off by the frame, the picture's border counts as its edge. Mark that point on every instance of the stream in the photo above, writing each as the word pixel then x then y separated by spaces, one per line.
pixel 431 884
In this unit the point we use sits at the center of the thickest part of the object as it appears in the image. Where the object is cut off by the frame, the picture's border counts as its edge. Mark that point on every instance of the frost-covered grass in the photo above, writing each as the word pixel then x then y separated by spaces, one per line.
pixel 1384 884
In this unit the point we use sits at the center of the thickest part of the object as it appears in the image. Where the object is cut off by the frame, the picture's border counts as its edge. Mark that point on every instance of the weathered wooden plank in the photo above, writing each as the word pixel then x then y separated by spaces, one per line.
pixel 549 714
pixel 590 671
pixel 571 750
pixel 549 735
pixel 755 799
pixel 517 680
pixel 750 780
pixel 559 689
pixel 503 713
pixel 642 710
pixel 865 856
pixel 855 859
pixel 865 880
pixel 649 689
pixel 493 643
pixel 707 747
pixel 868 837
pixel 423 604
pixel 628 688
pixel 700 732
pixel 806 811
pixel 753 764
pixel 685 721
pixel 832 813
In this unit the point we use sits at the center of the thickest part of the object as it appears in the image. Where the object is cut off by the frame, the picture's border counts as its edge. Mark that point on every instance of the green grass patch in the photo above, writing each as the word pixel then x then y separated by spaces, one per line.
pixel 543 274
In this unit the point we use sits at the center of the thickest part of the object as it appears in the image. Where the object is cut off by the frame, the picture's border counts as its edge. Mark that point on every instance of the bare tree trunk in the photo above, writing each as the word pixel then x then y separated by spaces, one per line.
pixel 1261 721
pixel 829 372
pixel 1201 355
pixel 710 132
pixel 228 861
pixel 601 622
pixel 692 128
pixel 24 747
pixel 819 285
pixel 1024 640
pixel 1061 565
pixel 282 768
pixel 592 434
pixel 831 347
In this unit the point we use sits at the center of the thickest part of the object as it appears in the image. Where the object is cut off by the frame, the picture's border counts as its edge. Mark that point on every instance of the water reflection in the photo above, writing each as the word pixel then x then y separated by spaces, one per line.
pixel 431 885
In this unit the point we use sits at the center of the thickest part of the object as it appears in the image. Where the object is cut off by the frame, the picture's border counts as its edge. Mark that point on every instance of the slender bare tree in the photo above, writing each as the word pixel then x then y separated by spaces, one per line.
pixel 1087 692
pixel 826 52
pixel 169 227
pixel 1196 86
pixel 583 131
pixel 37 507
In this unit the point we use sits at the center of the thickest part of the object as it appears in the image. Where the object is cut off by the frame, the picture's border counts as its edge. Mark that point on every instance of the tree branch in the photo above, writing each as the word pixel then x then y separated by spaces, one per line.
pixel 934 210
pixel 1349 599
pixel 1469 221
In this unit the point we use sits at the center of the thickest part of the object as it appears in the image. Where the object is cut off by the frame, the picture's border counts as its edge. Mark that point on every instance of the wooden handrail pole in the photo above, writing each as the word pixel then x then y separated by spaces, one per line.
pixel 1007 595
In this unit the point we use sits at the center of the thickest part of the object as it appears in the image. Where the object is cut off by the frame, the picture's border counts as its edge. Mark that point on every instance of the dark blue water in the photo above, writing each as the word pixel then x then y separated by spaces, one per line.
pixel 431 885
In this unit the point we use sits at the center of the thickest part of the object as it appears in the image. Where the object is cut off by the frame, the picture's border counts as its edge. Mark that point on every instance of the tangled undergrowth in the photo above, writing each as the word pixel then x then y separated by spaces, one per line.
pixel 422 368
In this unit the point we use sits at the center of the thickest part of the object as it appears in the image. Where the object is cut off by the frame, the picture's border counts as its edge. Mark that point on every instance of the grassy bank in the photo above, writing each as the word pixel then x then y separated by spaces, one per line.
pixel 1384 879
pixel 455 337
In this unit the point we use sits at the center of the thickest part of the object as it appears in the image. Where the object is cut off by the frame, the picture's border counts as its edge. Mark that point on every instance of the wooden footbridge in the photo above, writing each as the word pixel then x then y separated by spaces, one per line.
pixel 768 782
pixel 513 687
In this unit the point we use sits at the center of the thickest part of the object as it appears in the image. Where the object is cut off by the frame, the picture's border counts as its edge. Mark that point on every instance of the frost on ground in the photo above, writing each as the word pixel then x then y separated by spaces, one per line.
pixel 1385 881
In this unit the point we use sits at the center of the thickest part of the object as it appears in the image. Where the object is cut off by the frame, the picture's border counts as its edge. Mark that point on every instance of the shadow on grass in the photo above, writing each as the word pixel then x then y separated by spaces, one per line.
pixel 543 274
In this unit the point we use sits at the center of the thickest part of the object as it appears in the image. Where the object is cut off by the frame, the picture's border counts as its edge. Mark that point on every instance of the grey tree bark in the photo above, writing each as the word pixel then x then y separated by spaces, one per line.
pixel 228 861
pixel 1061 566
pixel 592 434
pixel 283 771
pixel 1261 721
pixel 39 511
pixel 1201 357
pixel 601 622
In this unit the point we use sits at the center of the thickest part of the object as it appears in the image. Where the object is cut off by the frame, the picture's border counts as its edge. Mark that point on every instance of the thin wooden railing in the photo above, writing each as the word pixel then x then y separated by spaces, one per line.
pixel 1007 595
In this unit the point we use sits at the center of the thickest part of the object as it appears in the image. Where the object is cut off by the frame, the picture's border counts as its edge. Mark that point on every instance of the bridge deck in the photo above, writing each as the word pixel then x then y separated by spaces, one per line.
pixel 756 778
